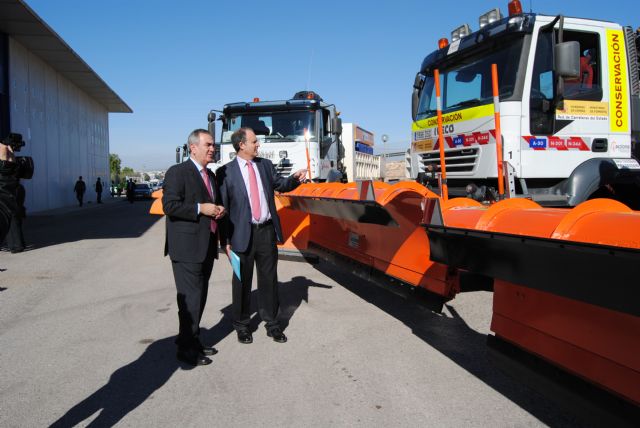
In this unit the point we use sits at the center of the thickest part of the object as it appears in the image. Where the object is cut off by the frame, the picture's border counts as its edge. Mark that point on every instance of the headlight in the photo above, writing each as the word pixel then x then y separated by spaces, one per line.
pixel 283 154
pixel 460 32
pixel 490 17
pixel 232 155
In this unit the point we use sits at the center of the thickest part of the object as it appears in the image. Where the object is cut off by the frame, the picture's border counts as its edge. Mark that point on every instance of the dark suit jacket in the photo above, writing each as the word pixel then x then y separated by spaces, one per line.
pixel 236 228
pixel 187 238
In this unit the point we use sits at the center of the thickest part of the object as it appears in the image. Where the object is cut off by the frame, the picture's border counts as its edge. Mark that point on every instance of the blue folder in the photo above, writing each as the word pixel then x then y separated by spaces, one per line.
pixel 235 264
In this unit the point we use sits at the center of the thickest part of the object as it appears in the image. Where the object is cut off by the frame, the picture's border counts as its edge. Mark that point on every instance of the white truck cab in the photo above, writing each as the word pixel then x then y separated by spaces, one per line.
pixel 294 134
pixel 569 107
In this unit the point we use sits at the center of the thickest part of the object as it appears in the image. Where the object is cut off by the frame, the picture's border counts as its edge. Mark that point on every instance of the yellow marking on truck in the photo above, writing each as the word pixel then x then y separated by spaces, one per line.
pixel 589 110
pixel 422 146
pixel 618 93
pixel 455 117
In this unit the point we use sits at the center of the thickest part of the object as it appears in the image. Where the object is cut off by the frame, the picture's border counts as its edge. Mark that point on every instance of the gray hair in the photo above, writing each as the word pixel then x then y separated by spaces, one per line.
pixel 194 137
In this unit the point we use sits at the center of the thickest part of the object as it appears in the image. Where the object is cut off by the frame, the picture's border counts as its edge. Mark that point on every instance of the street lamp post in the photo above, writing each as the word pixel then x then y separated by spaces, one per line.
pixel 385 138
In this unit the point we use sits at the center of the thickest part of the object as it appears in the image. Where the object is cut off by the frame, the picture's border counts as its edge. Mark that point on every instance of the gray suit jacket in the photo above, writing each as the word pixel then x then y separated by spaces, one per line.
pixel 236 228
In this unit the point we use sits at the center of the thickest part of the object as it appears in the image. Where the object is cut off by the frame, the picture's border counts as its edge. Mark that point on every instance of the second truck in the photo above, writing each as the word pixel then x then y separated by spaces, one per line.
pixel 303 132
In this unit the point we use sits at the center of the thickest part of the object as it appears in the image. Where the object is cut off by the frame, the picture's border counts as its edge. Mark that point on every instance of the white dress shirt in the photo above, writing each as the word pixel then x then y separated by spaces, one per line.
pixel 264 207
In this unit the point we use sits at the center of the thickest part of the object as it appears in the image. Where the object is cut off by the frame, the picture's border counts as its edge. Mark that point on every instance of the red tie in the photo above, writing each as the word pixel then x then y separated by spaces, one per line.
pixel 255 195
pixel 207 183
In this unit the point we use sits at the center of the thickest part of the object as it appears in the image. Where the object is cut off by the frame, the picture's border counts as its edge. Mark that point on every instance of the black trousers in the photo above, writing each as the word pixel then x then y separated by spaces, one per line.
pixel 80 197
pixel 192 284
pixel 263 253
pixel 15 237
pixel 99 197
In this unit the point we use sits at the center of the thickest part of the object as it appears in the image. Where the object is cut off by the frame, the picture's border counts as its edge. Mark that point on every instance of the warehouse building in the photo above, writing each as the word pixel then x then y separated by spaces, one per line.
pixel 59 105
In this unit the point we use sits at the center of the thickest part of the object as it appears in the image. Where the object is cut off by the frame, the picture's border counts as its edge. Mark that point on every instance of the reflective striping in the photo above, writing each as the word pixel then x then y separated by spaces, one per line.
pixel 483 111
pixel 496 104
pixel 555 143
pixel 467 140
pixel 438 103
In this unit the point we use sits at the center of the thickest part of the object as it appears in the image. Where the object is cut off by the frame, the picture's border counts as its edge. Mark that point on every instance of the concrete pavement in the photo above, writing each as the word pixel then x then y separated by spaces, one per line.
pixel 88 316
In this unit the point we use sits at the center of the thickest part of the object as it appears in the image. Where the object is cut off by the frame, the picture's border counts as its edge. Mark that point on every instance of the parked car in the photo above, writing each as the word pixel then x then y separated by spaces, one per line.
pixel 142 190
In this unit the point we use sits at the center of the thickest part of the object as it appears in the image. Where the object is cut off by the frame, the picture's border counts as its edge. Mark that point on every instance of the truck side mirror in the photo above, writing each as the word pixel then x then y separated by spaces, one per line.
pixel 178 157
pixel 418 83
pixel 336 125
pixel 567 59
pixel 211 118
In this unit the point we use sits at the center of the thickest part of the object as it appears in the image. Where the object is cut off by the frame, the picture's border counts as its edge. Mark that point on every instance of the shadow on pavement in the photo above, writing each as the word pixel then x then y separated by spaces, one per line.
pixel 128 387
pixel 456 340
pixel 292 294
pixel 133 384
pixel 117 219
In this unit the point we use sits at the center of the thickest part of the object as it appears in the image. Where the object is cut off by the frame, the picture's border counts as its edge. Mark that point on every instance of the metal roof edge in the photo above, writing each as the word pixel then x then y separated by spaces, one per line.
pixel 96 89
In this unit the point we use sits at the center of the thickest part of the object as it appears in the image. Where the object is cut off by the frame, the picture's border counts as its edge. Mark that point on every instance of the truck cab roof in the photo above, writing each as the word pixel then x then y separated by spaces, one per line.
pixel 509 25
pixel 283 105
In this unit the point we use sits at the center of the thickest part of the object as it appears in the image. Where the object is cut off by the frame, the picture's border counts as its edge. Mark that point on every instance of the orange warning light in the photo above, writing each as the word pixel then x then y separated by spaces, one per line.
pixel 515 8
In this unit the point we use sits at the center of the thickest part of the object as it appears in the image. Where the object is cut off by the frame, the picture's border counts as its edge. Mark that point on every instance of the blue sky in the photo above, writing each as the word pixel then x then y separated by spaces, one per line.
pixel 173 61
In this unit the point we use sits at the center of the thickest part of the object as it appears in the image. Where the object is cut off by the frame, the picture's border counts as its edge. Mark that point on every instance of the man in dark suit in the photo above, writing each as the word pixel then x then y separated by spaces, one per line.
pixel 251 230
pixel 191 203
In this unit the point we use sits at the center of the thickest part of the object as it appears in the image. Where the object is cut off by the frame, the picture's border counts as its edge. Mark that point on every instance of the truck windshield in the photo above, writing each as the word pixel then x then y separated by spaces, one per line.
pixel 273 126
pixel 466 82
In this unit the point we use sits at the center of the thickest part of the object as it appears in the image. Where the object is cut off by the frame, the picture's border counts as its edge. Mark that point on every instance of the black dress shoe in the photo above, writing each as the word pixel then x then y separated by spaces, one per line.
pixel 193 358
pixel 278 335
pixel 208 351
pixel 245 337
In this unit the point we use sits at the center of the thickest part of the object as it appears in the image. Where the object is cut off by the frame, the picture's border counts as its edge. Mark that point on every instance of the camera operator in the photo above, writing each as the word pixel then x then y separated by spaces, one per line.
pixel 8 185
pixel 12 168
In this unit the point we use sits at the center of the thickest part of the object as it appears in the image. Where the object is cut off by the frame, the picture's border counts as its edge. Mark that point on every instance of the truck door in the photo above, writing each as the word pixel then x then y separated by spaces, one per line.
pixel 558 141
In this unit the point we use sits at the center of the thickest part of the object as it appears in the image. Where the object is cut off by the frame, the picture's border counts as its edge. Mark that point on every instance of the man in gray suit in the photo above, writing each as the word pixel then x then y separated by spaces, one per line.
pixel 192 206
pixel 251 230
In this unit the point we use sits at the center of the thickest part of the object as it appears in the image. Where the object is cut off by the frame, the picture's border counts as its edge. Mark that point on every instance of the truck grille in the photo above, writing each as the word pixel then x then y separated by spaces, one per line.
pixel 457 160
pixel 284 169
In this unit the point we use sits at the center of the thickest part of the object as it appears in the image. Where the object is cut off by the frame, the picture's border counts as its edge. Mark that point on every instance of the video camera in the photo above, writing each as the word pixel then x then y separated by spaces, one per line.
pixel 24 164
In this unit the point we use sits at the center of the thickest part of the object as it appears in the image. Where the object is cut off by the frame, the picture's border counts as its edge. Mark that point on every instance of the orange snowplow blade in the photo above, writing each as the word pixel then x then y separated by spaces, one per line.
pixel 377 227
pixel 156 206
pixel 564 282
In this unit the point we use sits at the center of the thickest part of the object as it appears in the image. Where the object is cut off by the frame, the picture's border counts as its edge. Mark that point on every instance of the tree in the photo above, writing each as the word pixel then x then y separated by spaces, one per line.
pixel 146 177
pixel 128 171
pixel 114 166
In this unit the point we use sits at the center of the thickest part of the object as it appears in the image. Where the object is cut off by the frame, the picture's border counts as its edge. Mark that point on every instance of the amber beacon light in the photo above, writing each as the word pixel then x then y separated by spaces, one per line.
pixel 515 7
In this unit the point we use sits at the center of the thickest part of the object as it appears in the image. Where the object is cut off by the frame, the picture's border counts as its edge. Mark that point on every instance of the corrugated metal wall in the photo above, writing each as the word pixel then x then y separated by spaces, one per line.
pixel 66 132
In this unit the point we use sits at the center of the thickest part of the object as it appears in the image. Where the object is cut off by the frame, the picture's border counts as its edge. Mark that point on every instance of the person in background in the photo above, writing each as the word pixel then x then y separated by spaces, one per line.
pixel 98 190
pixel 131 186
pixel 80 188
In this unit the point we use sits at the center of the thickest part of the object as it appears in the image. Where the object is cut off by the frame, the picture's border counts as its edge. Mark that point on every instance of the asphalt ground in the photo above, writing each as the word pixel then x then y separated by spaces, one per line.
pixel 88 317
